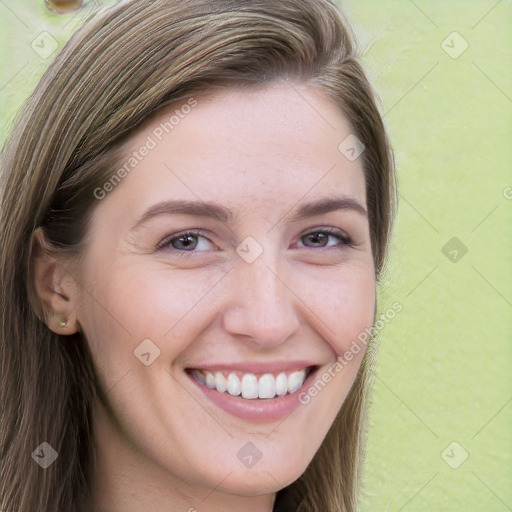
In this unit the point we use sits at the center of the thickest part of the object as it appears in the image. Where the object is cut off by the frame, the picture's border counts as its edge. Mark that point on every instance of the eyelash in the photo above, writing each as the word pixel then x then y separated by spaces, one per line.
pixel 344 239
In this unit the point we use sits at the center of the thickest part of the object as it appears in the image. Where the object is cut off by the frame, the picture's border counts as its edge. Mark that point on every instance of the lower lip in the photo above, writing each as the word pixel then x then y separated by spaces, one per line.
pixel 258 410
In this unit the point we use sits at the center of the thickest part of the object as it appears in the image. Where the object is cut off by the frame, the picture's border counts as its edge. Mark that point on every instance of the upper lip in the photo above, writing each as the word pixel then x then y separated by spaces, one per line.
pixel 255 367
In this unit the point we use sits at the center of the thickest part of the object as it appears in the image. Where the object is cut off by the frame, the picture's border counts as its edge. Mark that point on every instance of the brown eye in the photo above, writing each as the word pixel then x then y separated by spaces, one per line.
pixel 320 238
pixel 185 242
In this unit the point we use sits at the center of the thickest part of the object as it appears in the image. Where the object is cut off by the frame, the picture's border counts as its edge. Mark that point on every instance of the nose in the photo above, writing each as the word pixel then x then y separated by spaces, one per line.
pixel 262 306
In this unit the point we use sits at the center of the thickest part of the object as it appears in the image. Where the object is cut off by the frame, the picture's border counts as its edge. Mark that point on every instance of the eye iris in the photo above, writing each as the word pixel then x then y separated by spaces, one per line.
pixel 188 241
pixel 315 237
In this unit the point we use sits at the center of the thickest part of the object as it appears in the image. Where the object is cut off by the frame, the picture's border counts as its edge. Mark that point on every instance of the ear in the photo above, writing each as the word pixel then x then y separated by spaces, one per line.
pixel 56 290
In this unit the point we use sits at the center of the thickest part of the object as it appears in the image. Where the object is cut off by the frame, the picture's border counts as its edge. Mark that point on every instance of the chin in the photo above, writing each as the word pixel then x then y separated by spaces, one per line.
pixel 263 480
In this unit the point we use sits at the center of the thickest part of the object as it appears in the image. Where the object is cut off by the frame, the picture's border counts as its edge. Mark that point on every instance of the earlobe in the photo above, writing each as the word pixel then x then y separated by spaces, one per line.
pixel 62 325
pixel 53 288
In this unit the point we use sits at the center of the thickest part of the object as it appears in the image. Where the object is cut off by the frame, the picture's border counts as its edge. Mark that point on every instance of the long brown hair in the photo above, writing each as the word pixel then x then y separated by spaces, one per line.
pixel 124 63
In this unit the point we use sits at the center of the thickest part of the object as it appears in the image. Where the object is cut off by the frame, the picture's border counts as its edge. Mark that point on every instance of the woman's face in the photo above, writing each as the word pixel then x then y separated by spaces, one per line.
pixel 207 267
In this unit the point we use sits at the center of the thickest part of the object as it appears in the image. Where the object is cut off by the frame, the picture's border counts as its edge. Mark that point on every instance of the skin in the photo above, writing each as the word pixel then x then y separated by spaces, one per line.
pixel 261 152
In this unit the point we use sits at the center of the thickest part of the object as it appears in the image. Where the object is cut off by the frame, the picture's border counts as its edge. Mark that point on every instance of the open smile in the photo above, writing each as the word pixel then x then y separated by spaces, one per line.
pixel 263 396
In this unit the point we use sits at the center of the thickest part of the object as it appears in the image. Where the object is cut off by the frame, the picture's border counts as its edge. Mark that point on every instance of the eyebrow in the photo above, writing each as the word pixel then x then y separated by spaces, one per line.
pixel 221 213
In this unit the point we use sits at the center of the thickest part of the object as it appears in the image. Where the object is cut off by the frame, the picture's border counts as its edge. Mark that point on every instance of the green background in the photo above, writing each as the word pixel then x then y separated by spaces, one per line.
pixel 444 366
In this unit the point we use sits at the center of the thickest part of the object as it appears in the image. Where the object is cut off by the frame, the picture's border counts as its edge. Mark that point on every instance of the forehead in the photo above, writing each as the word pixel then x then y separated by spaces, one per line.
pixel 262 148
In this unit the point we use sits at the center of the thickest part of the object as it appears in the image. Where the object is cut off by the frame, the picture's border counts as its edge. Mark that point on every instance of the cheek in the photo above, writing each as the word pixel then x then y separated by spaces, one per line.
pixel 163 300
pixel 343 302
pixel 356 310
pixel 131 306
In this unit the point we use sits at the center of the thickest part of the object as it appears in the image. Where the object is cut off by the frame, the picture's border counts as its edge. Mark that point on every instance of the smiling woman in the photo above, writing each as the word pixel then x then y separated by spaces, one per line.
pixel 196 204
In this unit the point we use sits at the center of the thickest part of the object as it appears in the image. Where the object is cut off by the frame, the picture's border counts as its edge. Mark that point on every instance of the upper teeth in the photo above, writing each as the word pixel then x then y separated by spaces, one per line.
pixel 249 386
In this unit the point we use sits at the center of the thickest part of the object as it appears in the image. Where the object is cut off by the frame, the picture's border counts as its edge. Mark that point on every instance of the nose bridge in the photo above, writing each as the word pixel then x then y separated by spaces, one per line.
pixel 263 305
pixel 267 291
